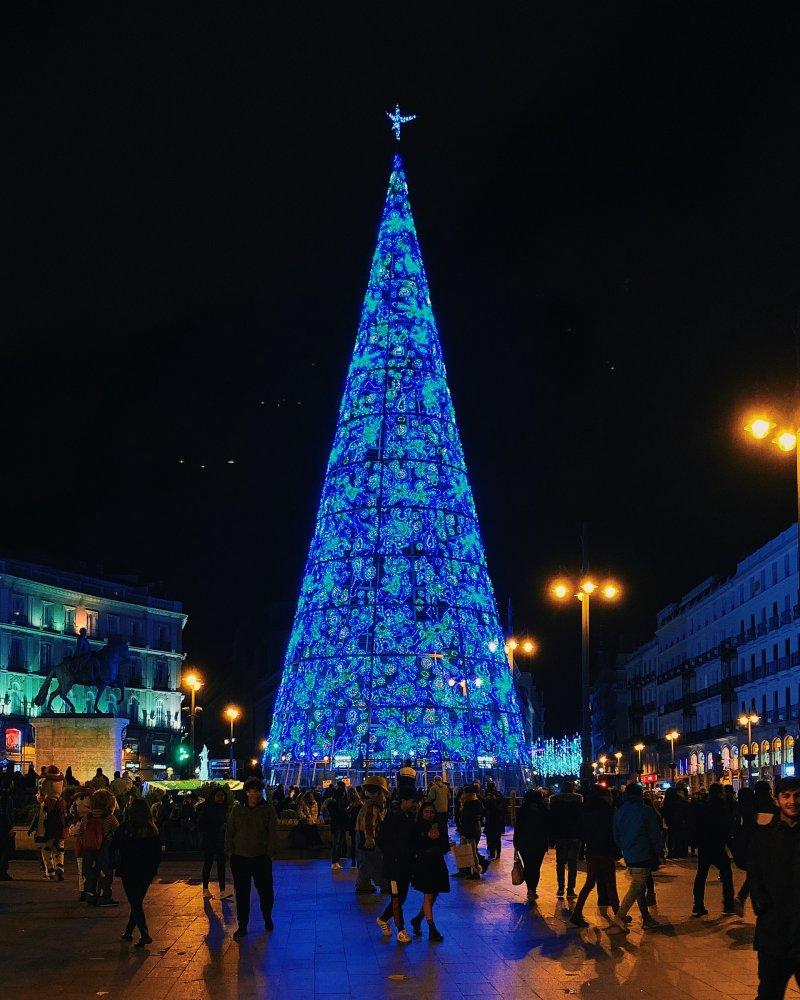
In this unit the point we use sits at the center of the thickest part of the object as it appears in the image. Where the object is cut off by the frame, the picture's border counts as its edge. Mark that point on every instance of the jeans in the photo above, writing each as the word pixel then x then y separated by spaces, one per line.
pixel 97 871
pixel 338 845
pixel 637 892
pixel 210 855
pixel 370 869
pixel 532 866
pixel 567 852
pixel 136 890
pixel 600 871
pixel 774 973
pixel 259 870
pixel 717 856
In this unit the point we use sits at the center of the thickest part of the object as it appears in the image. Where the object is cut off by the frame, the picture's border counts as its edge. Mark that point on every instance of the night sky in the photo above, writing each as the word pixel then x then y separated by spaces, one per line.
pixel 607 202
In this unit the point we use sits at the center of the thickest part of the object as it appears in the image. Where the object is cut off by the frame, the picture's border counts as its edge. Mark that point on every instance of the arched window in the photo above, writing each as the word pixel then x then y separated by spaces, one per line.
pixel 777 751
pixel 789 750
pixel 693 764
pixel 701 763
pixel 754 751
pixel 726 757
pixel 765 754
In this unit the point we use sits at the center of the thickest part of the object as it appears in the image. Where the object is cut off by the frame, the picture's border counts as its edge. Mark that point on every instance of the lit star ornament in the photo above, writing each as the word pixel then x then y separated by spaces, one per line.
pixel 398 120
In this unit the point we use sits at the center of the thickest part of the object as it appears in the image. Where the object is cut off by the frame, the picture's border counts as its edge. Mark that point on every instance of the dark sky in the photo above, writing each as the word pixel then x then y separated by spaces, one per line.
pixel 607 201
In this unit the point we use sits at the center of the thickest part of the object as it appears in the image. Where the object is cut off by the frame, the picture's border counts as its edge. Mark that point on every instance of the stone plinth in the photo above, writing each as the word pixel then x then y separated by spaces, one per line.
pixel 85 742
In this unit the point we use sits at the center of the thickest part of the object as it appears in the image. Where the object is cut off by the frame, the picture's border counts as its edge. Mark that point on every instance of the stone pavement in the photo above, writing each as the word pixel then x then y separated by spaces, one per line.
pixel 326 943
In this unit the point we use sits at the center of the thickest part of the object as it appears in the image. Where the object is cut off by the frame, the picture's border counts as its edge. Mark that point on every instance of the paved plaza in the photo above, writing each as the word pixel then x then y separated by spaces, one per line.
pixel 326 943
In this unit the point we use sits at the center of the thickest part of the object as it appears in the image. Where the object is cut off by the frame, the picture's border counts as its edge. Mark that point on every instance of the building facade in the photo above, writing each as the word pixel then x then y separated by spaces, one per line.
pixel 729 647
pixel 41 612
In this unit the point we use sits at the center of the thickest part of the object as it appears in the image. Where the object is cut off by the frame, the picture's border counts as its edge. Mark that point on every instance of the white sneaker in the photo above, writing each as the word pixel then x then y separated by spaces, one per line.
pixel 386 930
pixel 336 866
pixel 207 894
pixel 403 937
pixel 226 894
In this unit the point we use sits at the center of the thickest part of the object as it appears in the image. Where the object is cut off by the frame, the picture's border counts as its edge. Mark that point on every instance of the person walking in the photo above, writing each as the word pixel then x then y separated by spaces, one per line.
pixel 565 830
pixel 397 841
pixel 713 833
pixel 136 851
pixel 439 796
pixel 597 832
pixel 95 835
pixel 637 835
pixel 773 869
pixel 250 838
pixel 79 808
pixel 368 827
pixel 211 818
pixel 494 824
pixel 674 811
pixel 532 838
pixel 469 827
pixel 354 804
pixel 334 809
pixel 429 874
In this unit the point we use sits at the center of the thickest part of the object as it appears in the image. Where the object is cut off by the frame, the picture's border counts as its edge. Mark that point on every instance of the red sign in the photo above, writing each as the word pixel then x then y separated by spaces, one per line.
pixel 13 740
pixel 649 779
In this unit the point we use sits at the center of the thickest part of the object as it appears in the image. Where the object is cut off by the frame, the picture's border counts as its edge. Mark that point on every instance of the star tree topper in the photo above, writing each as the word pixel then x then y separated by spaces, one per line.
pixel 398 120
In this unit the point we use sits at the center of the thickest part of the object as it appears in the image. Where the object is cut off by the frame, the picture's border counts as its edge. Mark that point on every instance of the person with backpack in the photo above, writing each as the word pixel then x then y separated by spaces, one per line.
pixel 96 832
pixel 136 850
pixel 368 829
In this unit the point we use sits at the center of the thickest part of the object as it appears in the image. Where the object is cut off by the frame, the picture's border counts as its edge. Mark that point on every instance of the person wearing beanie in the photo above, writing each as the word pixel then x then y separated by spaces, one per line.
pixel 773 870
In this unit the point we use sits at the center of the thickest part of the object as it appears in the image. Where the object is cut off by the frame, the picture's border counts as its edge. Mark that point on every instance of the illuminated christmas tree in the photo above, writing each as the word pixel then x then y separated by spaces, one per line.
pixel 396 649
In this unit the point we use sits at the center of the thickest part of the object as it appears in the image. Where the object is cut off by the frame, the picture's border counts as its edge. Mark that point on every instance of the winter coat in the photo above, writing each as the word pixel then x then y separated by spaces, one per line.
pixel 469 822
pixel 597 828
pixel 439 796
pixel 713 824
pixel 334 808
pixel 397 841
pixel 136 858
pixel 637 833
pixel 532 829
pixel 494 811
pixel 211 819
pixel 773 868
pixel 429 872
pixel 565 816
pixel 251 832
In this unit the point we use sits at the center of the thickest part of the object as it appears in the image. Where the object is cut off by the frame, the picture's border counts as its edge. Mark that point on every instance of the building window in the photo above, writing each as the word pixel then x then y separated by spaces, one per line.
pixel 16 654
pixel 69 620
pixel 133 710
pixel 159 748
pixel 47 615
pixel 161 675
pixel 135 672
pixel 789 750
pixel 19 610
pixel 160 716
pixel 163 638
pixel 136 636
pixel 91 622
pixel 16 699
pixel 777 752
pixel 45 656
pixel 89 702
pixel 112 626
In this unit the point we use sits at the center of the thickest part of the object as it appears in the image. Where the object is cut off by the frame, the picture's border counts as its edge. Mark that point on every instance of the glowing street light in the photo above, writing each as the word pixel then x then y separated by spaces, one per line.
pixel 232 713
pixel 672 735
pixel 749 719
pixel 618 756
pixel 760 428
pixel 562 589
pixel 194 682
pixel 526 646
pixel 638 747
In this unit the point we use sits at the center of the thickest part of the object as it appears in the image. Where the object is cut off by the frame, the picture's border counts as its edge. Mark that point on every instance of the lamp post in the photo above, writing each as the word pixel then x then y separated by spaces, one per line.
pixel 564 590
pixel 672 735
pixel 194 683
pixel 232 713
pixel 760 428
pixel 618 756
pixel 749 719
pixel 638 747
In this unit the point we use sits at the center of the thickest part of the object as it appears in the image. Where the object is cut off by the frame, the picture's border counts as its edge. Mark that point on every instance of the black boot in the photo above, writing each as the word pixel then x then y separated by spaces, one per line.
pixel 433 933
pixel 416 923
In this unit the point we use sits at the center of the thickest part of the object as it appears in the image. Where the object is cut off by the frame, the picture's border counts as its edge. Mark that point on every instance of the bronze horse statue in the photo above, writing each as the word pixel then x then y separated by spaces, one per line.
pixel 100 669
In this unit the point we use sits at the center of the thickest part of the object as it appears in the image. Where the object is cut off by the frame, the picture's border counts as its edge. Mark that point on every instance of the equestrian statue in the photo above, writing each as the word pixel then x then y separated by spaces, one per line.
pixel 99 669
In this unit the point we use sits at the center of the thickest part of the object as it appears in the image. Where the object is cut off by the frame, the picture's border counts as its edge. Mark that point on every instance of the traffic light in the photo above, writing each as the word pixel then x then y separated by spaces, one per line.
pixel 182 755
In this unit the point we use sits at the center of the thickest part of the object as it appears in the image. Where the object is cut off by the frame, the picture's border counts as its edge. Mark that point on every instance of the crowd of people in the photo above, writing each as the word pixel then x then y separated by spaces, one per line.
pixel 398 839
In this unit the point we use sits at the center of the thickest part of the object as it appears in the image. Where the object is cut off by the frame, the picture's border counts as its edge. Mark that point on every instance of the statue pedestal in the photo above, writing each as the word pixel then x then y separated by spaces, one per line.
pixel 85 742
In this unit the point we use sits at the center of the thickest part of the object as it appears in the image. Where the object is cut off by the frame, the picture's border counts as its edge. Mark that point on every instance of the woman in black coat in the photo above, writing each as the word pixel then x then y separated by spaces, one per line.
pixel 137 853
pixel 211 819
pixel 531 838
pixel 429 874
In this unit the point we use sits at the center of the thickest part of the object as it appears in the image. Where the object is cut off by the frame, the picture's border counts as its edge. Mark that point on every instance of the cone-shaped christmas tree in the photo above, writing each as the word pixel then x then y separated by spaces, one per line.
pixel 396 603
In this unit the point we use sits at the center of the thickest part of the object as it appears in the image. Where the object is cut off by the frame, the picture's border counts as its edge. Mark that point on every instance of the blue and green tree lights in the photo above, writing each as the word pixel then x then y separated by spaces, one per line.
pixel 396 600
